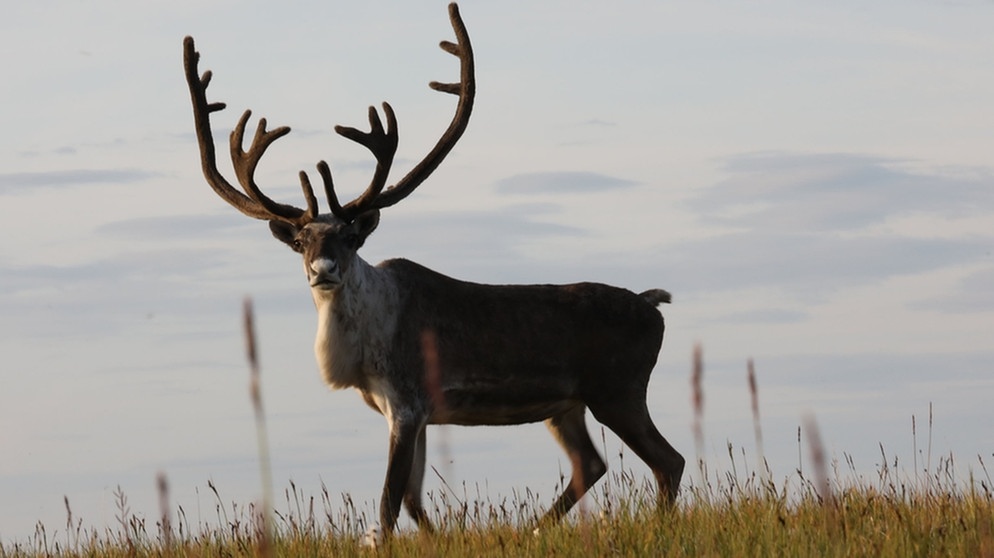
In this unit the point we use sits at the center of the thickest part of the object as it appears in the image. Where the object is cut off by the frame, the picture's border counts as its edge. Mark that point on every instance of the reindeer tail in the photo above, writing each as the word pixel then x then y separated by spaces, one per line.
pixel 656 297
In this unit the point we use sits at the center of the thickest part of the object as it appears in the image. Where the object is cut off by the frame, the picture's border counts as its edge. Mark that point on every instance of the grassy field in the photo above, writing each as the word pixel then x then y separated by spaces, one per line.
pixel 933 515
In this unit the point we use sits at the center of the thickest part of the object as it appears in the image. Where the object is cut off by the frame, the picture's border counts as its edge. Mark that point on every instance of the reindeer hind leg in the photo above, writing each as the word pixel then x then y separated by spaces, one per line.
pixel 570 430
pixel 631 422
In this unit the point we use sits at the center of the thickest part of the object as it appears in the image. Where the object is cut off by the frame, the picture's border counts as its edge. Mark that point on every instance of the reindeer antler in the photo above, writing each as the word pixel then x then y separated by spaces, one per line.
pixel 382 142
pixel 383 145
pixel 253 202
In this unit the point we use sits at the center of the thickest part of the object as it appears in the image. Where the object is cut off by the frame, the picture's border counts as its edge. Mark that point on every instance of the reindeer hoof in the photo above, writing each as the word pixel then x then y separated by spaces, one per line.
pixel 372 538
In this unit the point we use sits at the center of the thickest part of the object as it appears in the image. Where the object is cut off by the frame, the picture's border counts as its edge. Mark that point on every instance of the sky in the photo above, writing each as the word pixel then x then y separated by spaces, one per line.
pixel 811 181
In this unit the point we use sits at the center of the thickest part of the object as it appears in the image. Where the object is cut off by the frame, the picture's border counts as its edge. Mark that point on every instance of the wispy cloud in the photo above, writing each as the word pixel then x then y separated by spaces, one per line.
pixel 810 265
pixel 490 238
pixel 764 316
pixel 974 295
pixel 109 294
pixel 64 150
pixel 20 181
pixel 809 225
pixel 834 192
pixel 176 226
pixel 561 182
pixel 598 123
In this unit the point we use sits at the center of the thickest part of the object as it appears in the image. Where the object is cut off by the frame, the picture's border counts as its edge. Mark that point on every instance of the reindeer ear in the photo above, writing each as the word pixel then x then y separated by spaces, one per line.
pixel 364 225
pixel 285 233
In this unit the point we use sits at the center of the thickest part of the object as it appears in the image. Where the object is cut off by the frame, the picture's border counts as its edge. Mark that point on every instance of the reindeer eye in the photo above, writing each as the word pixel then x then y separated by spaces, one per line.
pixel 298 245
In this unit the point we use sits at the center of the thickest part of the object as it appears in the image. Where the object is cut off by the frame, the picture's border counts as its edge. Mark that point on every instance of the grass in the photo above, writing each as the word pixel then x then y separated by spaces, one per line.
pixel 933 515
pixel 829 512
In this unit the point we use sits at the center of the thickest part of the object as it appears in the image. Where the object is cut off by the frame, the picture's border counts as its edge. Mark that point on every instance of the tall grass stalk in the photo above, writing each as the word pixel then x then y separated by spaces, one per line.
pixel 265 467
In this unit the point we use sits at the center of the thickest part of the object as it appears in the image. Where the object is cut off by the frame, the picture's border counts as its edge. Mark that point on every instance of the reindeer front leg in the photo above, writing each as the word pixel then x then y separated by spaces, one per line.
pixel 412 498
pixel 405 429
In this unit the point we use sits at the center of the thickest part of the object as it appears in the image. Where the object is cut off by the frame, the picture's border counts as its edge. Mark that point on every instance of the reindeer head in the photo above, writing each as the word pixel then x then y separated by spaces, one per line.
pixel 328 245
pixel 328 242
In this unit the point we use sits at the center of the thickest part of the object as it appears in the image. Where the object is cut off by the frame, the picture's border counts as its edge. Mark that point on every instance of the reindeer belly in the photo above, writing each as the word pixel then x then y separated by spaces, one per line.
pixel 500 403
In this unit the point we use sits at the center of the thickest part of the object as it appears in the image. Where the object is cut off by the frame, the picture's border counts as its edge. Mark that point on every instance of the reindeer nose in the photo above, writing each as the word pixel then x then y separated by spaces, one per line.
pixel 325 273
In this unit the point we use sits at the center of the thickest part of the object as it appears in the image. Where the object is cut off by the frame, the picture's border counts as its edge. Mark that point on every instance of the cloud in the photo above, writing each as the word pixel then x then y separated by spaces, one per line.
pixel 20 181
pixel 64 150
pixel 138 269
pixel 177 226
pixel 564 182
pixel 808 225
pixel 598 123
pixel 975 295
pixel 810 264
pixel 107 295
pixel 834 192
pixel 871 372
pixel 764 316
pixel 467 241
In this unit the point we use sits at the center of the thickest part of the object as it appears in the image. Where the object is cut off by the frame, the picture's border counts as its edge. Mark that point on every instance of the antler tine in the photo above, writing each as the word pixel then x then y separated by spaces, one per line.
pixel 245 163
pixel 312 202
pixel 256 204
pixel 329 189
pixel 466 90
pixel 383 144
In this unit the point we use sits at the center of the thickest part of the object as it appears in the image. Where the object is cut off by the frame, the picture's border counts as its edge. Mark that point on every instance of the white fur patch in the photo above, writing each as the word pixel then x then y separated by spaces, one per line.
pixel 324 271
pixel 356 323
pixel 324 265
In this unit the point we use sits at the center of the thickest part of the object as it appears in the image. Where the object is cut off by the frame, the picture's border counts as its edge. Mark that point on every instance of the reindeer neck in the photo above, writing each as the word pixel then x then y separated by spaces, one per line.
pixel 355 325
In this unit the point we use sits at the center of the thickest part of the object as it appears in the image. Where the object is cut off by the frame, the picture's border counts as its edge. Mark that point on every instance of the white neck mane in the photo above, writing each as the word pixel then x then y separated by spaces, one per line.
pixel 356 323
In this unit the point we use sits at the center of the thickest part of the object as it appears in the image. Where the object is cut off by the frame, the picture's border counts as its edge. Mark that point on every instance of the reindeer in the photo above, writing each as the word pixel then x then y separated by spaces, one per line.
pixel 422 348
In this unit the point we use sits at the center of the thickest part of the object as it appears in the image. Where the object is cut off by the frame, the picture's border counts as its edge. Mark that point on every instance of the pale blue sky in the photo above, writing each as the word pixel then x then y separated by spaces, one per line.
pixel 811 182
